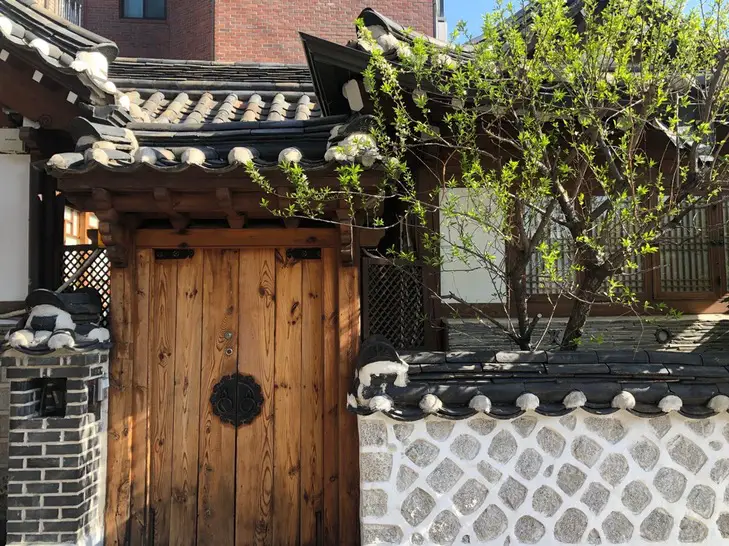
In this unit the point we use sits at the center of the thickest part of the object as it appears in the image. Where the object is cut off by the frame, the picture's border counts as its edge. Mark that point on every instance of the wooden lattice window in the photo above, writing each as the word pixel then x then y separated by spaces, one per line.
pixel 75 226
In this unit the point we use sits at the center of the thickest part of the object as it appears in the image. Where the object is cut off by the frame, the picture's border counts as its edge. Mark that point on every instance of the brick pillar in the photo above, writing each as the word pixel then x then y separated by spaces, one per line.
pixel 57 464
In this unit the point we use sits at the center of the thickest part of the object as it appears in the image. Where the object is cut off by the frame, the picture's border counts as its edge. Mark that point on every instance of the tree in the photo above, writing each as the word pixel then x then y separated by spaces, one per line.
pixel 570 139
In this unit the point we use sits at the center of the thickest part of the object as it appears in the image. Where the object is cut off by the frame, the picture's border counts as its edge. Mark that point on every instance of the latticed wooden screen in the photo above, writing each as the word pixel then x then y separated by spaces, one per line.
pixel 96 276
pixel 392 302
pixel 685 265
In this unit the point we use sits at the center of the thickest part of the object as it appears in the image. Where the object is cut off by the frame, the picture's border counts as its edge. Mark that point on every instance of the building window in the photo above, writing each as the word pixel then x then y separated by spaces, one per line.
pixel 75 226
pixel 144 9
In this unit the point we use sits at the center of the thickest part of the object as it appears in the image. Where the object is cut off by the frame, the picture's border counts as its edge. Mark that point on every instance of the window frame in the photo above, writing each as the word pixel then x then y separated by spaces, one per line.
pixel 144 16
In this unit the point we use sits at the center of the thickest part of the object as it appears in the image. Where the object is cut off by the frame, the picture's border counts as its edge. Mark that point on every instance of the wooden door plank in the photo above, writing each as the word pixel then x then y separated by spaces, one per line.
pixel 331 397
pixel 287 402
pixel 254 473
pixel 140 415
pixel 216 480
pixel 349 336
pixel 231 238
pixel 161 392
pixel 185 441
pixel 119 455
pixel 312 403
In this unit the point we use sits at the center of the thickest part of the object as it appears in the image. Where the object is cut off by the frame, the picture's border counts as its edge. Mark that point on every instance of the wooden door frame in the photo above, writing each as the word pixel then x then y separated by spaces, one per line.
pixel 127 469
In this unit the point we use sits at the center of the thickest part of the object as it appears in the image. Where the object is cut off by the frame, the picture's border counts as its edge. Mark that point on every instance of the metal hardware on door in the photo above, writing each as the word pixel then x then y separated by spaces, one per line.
pixel 228 335
pixel 173 253
pixel 228 351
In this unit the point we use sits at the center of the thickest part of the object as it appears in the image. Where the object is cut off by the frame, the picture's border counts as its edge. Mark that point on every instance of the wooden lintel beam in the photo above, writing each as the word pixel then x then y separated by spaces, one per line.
pixel 225 200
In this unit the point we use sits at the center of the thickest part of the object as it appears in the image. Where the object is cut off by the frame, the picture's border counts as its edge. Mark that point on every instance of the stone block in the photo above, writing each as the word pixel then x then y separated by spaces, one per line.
pixel 470 497
pixel 445 476
pixel 492 523
pixel 465 447
pixel 512 493
pixel 617 528
pixel 503 447
pixel 528 530
pixel 570 478
pixel 445 528
pixel 570 528
pixel 670 483
pixel 417 506
pixel 657 526
pixel 422 453
pixel 375 467
pixel 551 442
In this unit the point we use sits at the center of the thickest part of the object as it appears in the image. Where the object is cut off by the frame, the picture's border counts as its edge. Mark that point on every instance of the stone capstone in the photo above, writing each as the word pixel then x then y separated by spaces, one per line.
pixel 551 441
pixel 512 493
pixel 607 428
pixel 686 453
pixel 528 530
pixel 490 524
pixel 614 468
pixel 374 502
pixel 596 497
pixel 444 528
pixel 529 463
pixel 482 426
pixel 692 530
pixel 524 425
pixel 670 483
pixel 470 497
pixel 503 447
pixel 405 478
pixel 465 447
pixel 403 430
pixel 375 467
pixel 570 478
pixel 546 500
pixel 617 528
pixel 439 430
pixel 488 472
pixel 636 496
pixel 571 526
pixel 422 452
pixel 586 450
pixel 657 526
pixel 645 453
pixel 445 476
pixel 381 534
pixel 372 433
pixel 701 500
pixel 417 506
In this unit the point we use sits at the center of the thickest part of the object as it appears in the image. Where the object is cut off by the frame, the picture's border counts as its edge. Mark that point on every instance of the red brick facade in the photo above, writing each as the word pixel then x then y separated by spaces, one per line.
pixel 243 30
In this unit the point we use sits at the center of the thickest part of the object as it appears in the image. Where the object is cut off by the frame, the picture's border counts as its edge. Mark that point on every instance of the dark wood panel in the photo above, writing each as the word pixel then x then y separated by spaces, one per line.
pixel 231 238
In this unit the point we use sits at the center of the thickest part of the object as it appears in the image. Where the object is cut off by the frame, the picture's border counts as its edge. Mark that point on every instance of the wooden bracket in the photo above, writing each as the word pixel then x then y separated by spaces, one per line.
pixel 225 199
pixel 114 235
pixel 163 198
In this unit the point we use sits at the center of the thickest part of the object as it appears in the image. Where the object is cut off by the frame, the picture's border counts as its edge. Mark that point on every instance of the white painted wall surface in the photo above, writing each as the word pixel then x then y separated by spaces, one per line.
pixel 467 280
pixel 578 479
pixel 14 210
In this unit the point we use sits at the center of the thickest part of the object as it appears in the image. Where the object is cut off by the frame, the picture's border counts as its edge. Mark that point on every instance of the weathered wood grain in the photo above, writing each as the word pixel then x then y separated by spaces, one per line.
pixel 216 481
pixel 230 238
pixel 188 365
pixel 257 315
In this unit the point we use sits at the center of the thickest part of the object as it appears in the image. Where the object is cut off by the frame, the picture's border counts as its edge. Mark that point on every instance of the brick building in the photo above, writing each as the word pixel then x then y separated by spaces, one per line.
pixel 241 30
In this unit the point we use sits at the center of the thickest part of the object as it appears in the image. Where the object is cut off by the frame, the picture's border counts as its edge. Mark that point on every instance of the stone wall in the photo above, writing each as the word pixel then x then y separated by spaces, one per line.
pixel 577 479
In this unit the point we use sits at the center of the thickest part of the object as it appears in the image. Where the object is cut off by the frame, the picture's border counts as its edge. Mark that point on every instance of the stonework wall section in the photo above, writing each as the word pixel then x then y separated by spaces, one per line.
pixel 578 479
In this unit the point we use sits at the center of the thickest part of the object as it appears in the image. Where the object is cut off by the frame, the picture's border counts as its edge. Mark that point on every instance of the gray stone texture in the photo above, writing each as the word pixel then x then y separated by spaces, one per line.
pixel 489 472
pixel 636 496
pixel 482 426
pixel 512 493
pixel 444 528
pixel 417 538
pixel 701 499
pixel 470 497
pixel 503 447
pixel 439 430
pixel 374 502
pixel 586 450
pixel 703 427
pixel 381 534
pixel 617 528
pixel 551 441
pixel 645 453
pixel 528 530
pixel 568 421
pixel 614 468
pixel 465 447
pixel 692 530
pixel 571 526
pixel 722 523
pixel 593 537
pixel 546 500
pixel 719 471
pixel 596 497
pixel 445 476
pixel 524 425
pixel 607 428
pixel 570 478
pixel 403 430
pixel 528 463
pixel 670 483
pixel 490 524
pixel 657 526
pixel 405 477
pixel 417 506
pixel 372 433
pixel 686 453
pixel 660 425
pixel 422 453
pixel 375 467
pixel 716 446
pixel 548 471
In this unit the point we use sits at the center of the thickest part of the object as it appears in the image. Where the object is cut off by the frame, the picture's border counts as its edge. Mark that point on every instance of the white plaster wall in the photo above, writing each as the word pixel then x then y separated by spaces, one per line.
pixel 579 479
pixel 14 187
pixel 466 279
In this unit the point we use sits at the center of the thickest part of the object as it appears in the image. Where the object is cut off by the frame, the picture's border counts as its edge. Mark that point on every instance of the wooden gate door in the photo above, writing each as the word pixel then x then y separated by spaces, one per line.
pixel 216 313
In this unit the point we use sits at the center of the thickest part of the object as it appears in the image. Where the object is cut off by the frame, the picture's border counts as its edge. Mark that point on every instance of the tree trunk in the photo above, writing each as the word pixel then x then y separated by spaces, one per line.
pixel 517 276
pixel 581 307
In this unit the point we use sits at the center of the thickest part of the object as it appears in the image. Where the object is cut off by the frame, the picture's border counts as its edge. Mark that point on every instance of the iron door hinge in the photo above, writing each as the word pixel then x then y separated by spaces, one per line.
pixel 173 253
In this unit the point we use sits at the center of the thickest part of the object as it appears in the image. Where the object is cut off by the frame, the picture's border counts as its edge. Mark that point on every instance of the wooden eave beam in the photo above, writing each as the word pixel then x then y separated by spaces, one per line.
pixel 163 199
pixel 227 205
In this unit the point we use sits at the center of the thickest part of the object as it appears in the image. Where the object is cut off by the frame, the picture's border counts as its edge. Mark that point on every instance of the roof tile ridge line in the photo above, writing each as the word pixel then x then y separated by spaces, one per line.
pixel 202 62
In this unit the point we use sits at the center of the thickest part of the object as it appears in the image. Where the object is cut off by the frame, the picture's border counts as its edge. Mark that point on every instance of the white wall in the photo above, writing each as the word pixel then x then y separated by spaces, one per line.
pixel 14 210
pixel 467 280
